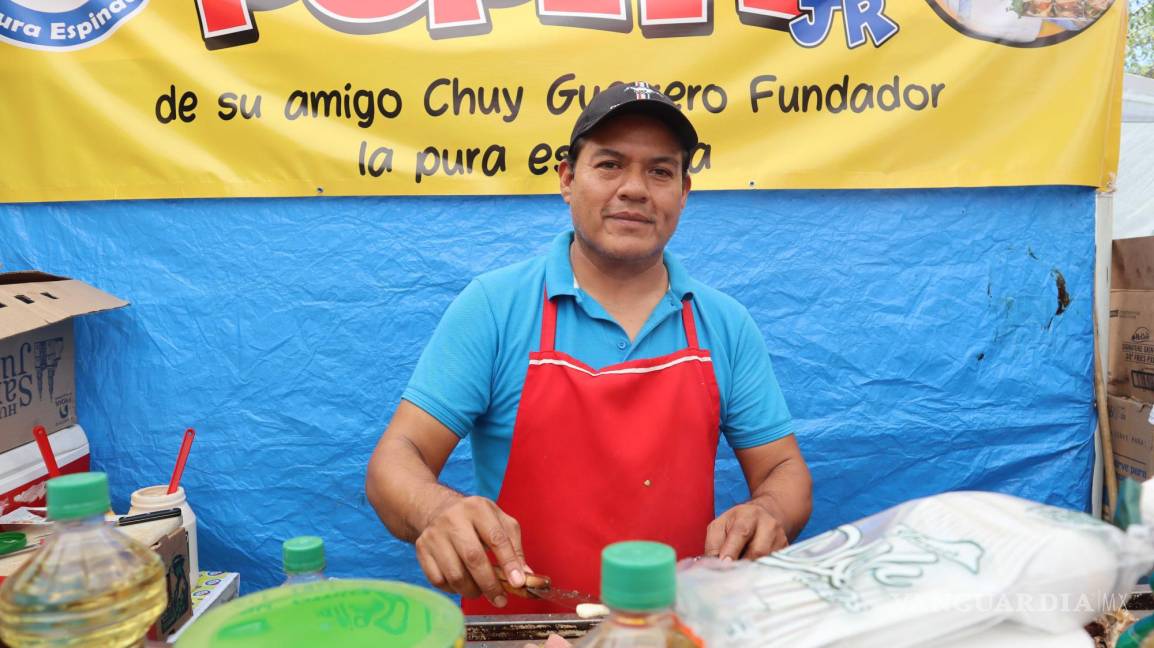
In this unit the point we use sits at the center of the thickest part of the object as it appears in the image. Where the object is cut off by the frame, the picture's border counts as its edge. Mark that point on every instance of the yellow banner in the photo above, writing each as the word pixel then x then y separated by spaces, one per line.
pixel 107 99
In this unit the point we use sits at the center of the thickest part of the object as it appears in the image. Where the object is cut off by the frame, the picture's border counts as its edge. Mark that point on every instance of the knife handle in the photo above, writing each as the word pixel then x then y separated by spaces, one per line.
pixel 532 581
pixel 537 581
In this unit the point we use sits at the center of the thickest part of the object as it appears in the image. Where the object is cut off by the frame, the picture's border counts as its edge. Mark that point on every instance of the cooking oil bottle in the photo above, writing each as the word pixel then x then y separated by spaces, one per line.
pixel 88 585
pixel 639 585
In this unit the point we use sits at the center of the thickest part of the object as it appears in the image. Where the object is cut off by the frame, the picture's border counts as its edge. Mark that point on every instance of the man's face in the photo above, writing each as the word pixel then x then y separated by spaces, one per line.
pixel 626 189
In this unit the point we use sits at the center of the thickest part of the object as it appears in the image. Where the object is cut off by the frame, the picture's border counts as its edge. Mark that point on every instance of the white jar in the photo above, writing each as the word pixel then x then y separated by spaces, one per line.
pixel 156 498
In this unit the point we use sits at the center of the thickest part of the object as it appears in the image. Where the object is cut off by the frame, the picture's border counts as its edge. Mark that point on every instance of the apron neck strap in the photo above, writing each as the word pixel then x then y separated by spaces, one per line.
pixel 548 323
pixel 688 323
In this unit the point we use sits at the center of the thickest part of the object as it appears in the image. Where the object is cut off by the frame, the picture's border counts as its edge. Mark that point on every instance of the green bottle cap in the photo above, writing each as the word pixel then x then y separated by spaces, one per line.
pixel 77 496
pixel 638 576
pixel 303 554
pixel 1138 634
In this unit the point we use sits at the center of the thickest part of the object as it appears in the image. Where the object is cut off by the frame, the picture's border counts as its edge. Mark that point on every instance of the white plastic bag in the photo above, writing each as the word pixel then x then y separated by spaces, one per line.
pixel 939 567
pixel 1013 635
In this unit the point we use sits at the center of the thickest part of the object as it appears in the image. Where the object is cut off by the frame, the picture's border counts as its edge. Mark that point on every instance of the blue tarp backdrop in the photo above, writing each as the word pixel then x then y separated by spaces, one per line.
pixel 916 334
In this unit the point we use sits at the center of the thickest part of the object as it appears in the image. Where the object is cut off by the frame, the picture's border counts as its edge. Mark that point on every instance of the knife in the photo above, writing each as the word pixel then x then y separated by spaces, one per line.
pixel 541 587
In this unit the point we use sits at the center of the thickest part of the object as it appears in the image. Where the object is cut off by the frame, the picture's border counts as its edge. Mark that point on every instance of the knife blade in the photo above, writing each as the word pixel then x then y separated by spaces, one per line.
pixel 568 599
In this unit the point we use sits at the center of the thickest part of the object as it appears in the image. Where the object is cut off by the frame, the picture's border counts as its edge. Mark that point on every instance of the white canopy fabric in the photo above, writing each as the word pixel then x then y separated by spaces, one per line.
pixel 1128 212
pixel 1134 196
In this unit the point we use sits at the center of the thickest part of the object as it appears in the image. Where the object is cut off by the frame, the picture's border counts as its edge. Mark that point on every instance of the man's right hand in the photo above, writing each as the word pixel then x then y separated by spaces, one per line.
pixel 453 549
pixel 453 534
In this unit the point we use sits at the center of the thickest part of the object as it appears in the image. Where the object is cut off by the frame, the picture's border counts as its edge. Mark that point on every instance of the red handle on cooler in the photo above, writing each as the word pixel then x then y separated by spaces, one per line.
pixel 41 436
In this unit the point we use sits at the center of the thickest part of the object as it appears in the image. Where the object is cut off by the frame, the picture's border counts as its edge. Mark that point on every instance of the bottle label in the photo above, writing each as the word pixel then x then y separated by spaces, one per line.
pixel 688 633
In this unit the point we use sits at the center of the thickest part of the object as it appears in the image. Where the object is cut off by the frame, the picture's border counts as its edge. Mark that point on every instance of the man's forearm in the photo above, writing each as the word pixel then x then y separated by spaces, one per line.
pixel 453 535
pixel 403 490
pixel 786 492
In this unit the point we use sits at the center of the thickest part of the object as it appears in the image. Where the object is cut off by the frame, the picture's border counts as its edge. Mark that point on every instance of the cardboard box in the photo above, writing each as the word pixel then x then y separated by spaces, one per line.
pixel 37 351
pixel 213 589
pixel 1132 434
pixel 173 550
pixel 1131 353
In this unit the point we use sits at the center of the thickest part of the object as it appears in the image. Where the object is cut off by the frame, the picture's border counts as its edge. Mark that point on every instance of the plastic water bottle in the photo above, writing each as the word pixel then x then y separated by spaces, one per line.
pixel 89 585
pixel 639 585
pixel 304 560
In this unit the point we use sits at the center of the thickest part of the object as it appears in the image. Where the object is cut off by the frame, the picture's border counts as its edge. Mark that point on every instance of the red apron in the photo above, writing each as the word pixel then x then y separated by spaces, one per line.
pixel 624 453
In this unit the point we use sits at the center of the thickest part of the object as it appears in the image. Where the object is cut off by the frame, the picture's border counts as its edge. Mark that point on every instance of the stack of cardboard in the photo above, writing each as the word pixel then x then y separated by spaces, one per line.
pixel 38 387
pixel 1131 368
pixel 213 589
pixel 37 378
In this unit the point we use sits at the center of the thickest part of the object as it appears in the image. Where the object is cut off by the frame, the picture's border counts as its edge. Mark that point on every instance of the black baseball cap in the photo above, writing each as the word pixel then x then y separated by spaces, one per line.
pixel 635 98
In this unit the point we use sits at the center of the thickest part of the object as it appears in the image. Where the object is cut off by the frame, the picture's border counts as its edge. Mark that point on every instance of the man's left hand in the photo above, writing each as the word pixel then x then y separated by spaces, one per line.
pixel 747 531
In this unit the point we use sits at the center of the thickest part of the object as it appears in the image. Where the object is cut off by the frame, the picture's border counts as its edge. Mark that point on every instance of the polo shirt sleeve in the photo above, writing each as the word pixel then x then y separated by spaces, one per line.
pixel 453 378
pixel 755 412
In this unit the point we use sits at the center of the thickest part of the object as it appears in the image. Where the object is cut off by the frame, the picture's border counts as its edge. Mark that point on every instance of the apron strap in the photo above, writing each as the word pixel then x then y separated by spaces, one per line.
pixel 548 323
pixel 688 323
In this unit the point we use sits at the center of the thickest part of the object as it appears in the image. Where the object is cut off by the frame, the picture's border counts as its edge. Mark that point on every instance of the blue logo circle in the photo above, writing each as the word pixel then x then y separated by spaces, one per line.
pixel 63 24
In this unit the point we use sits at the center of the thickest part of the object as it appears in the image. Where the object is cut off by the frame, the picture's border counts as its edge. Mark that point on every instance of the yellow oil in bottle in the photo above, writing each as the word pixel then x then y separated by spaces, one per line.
pixel 89 585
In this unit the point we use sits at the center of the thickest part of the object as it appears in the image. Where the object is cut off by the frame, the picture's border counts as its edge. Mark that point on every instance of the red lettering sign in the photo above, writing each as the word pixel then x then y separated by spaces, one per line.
pixel 366 11
pixel 774 14
pixel 222 17
pixel 613 9
pixel 454 13
pixel 656 12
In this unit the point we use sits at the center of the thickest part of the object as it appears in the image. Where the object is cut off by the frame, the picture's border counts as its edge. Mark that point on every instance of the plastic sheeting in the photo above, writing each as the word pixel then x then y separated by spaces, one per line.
pixel 1133 202
pixel 923 339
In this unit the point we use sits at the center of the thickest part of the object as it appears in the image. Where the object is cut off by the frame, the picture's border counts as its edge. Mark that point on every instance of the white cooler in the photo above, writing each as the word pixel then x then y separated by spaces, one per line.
pixel 23 473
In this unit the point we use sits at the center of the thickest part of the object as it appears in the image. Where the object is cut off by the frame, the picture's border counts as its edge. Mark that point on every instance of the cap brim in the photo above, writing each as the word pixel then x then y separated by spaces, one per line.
pixel 667 113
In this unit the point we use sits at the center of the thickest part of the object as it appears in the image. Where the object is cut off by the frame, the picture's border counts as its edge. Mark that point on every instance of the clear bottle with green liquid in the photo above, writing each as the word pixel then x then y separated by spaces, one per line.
pixel 89 585
pixel 639 585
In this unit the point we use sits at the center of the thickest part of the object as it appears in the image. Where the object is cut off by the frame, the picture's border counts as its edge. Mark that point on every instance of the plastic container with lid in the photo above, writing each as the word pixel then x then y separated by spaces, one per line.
pixel 89 585
pixel 304 560
pixel 156 498
pixel 639 585
pixel 345 613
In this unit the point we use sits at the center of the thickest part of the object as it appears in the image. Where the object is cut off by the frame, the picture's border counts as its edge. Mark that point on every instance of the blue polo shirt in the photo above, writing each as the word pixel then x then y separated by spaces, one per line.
pixel 470 375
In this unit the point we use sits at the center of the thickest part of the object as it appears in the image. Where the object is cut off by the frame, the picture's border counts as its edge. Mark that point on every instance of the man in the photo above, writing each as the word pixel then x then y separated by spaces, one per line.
pixel 593 382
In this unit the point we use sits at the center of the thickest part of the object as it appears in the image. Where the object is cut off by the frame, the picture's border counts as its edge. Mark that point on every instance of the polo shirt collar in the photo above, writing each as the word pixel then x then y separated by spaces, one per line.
pixel 559 271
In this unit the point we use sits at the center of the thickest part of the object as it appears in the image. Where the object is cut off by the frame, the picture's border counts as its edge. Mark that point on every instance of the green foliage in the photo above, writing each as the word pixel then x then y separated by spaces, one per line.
pixel 1140 47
